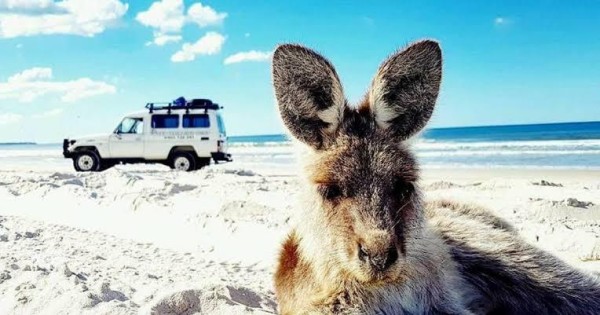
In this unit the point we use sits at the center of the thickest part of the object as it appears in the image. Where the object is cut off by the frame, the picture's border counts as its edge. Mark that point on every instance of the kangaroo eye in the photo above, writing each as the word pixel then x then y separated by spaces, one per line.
pixel 403 189
pixel 330 191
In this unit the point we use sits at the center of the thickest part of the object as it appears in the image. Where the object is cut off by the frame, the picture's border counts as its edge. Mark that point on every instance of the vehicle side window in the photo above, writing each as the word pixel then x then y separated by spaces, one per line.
pixel 221 125
pixel 138 128
pixel 196 121
pixel 165 121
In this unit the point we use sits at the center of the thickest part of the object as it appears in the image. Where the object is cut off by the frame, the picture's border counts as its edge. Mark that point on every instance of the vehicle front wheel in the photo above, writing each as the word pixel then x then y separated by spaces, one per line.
pixel 86 161
pixel 183 162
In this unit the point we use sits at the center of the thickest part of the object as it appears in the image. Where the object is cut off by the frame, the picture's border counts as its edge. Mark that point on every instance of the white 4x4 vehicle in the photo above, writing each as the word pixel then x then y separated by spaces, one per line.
pixel 184 136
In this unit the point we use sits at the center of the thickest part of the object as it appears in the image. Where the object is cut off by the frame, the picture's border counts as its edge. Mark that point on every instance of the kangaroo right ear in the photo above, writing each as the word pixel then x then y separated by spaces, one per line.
pixel 309 94
pixel 404 90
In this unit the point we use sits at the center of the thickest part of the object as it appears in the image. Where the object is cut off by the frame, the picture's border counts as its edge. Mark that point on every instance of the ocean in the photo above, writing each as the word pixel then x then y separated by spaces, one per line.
pixel 558 145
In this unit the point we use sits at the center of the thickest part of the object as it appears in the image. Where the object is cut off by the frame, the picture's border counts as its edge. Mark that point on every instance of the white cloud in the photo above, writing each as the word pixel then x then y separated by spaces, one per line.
pixel 204 15
pixel 30 84
pixel 74 17
pixel 84 88
pixel 49 113
pixel 209 44
pixel 251 55
pixel 167 18
pixel 10 118
pixel 31 75
pixel 26 4
pixel 501 21
pixel 163 39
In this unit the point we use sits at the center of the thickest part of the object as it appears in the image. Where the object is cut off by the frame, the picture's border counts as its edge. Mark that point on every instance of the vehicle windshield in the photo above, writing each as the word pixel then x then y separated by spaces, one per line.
pixel 130 125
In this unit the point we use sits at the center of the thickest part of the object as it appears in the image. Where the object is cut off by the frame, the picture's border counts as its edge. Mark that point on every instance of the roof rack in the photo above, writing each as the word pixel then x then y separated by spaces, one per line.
pixel 197 103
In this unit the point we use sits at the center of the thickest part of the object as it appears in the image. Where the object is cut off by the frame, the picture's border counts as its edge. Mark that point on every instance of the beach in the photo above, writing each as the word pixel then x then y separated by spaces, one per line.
pixel 142 239
pixel 151 157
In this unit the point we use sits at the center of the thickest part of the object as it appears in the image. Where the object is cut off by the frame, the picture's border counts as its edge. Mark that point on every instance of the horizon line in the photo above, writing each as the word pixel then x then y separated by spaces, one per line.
pixel 286 134
pixel 456 127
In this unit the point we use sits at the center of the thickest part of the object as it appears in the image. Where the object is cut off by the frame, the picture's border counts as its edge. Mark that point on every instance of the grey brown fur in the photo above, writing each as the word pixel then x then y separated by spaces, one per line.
pixel 512 276
pixel 367 243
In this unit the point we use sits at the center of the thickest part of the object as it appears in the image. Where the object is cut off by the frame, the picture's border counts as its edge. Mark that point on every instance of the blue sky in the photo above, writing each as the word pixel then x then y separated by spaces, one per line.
pixel 75 67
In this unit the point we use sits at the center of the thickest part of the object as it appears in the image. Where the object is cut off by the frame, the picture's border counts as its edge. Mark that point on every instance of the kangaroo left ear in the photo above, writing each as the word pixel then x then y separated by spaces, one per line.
pixel 309 94
pixel 404 91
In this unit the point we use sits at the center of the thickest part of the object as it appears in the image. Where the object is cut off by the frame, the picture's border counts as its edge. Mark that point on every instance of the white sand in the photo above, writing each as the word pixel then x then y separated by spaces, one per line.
pixel 139 239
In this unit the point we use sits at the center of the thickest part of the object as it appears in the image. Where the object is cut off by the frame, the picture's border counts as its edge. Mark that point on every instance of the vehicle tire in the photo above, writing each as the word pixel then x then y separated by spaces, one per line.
pixel 183 161
pixel 87 161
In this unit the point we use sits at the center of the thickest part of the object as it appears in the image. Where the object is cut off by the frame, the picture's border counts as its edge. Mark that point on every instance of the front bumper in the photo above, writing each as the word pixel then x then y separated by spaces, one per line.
pixel 220 156
pixel 66 153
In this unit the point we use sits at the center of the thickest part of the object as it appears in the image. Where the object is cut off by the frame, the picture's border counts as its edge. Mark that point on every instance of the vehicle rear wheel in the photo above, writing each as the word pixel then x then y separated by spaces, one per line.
pixel 183 161
pixel 86 161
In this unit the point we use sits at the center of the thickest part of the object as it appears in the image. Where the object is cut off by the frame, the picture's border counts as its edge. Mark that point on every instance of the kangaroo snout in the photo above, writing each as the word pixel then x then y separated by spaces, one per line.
pixel 378 251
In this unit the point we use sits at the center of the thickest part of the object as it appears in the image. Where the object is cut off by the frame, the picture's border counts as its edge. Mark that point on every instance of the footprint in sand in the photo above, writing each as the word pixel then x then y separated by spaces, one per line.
pixel 217 299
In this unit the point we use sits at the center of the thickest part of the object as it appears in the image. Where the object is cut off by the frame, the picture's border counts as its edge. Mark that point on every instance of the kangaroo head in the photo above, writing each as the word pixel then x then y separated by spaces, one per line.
pixel 361 172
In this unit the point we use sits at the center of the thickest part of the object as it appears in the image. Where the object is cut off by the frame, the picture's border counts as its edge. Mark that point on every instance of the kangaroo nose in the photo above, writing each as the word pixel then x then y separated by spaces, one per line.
pixel 379 260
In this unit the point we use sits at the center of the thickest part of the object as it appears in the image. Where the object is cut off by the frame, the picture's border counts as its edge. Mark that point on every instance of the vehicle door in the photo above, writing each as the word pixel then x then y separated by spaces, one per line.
pixel 163 136
pixel 197 126
pixel 127 141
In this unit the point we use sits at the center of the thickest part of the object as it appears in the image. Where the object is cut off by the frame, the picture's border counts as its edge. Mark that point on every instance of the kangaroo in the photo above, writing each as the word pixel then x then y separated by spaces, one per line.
pixel 367 243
